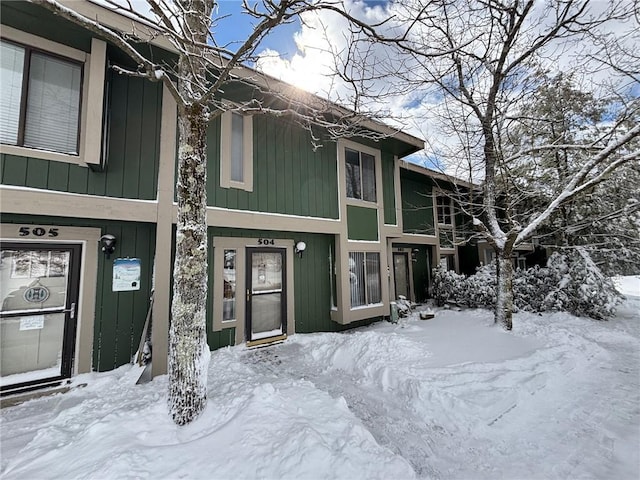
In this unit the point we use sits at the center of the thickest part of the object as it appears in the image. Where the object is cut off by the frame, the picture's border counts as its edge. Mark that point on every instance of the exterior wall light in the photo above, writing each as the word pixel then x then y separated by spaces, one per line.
pixel 108 244
pixel 300 247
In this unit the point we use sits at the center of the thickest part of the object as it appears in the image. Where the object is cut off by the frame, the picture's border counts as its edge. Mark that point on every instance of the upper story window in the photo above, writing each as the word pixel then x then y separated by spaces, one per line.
pixel 236 151
pixel 445 210
pixel 360 173
pixel 52 98
pixel 39 99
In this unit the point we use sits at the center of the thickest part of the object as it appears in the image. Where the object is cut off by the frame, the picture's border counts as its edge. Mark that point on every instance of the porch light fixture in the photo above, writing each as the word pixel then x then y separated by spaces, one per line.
pixel 108 244
pixel 300 247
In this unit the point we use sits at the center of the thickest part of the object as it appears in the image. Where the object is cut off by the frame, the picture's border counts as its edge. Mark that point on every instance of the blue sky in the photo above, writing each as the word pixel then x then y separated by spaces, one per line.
pixel 239 26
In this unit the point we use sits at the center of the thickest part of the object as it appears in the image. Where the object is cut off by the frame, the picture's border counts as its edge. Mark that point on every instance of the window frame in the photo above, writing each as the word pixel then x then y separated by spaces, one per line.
pixel 225 298
pixel 367 294
pixel 439 208
pixel 29 51
pixel 226 142
pixel 374 158
pixel 91 97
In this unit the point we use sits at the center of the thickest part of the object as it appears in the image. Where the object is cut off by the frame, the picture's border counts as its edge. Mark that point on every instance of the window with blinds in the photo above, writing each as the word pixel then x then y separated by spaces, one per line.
pixel 364 278
pixel 39 99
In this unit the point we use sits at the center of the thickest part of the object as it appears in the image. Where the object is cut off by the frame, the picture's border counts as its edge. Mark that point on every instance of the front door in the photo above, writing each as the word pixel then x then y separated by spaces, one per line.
pixel 39 294
pixel 266 293
pixel 401 274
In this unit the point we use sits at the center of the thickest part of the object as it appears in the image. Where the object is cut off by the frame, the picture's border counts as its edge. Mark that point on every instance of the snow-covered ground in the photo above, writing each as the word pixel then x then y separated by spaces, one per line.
pixel 452 397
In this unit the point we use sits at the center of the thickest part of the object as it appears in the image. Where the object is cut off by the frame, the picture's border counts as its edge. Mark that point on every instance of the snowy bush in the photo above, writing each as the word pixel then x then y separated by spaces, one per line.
pixel 531 288
pixel 475 291
pixel 448 286
pixel 480 289
pixel 582 289
pixel 571 282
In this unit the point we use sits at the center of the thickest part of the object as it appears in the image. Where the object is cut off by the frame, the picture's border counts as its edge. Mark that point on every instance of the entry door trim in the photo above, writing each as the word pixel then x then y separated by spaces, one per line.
pixel 88 237
pixel 71 309
pixel 240 244
pixel 249 251
pixel 407 271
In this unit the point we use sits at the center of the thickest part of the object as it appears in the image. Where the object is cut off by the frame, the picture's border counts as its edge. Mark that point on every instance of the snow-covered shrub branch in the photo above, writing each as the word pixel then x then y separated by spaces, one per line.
pixel 570 282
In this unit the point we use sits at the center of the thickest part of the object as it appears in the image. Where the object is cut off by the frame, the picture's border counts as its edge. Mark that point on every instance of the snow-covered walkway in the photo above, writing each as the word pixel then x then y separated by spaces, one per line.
pixel 453 397
pixel 567 407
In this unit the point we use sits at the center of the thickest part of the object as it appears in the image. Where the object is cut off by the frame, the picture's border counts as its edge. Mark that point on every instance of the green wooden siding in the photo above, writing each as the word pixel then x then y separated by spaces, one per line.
pixel 289 177
pixel 362 223
pixel 132 162
pixel 35 19
pixel 120 316
pixel 224 338
pixel 417 205
pixel 388 189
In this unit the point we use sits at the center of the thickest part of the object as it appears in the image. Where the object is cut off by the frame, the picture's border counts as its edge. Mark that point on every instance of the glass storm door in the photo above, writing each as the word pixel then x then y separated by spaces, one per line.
pixel 266 293
pixel 401 274
pixel 39 292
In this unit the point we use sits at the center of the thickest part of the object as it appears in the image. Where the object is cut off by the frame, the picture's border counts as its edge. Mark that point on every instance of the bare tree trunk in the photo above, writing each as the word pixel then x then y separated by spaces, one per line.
pixel 188 349
pixel 504 292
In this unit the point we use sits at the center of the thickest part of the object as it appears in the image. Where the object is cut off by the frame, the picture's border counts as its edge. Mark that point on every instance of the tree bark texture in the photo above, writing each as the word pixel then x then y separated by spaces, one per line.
pixel 188 349
pixel 504 290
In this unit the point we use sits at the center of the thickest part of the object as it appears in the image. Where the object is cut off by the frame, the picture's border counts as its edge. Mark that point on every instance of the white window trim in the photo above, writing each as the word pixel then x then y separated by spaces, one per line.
pixel 225 152
pixel 451 212
pixel 92 98
pixel 342 173
pixel 240 244
pixel 366 288
pixel 89 238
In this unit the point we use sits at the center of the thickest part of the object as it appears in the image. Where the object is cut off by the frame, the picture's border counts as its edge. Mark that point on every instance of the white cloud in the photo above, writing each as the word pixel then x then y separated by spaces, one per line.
pixel 322 38
pixel 419 110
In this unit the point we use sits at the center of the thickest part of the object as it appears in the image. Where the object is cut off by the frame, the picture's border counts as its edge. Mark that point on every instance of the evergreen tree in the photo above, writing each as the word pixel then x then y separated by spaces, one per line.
pixel 603 220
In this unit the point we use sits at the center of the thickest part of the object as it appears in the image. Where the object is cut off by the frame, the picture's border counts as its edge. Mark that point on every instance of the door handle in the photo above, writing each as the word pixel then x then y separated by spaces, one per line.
pixel 71 311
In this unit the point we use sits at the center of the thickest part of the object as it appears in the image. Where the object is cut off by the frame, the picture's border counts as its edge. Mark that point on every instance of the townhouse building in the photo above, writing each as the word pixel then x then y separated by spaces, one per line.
pixel 301 239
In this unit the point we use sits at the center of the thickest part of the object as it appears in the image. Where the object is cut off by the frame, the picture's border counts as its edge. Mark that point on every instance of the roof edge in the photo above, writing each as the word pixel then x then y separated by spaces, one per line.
pixel 123 23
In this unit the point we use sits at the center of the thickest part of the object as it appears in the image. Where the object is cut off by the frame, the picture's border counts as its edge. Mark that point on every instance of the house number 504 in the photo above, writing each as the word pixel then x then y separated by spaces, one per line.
pixel 266 241
pixel 38 232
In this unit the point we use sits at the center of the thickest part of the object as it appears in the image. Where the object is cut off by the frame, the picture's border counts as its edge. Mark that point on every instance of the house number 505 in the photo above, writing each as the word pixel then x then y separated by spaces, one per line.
pixel 38 232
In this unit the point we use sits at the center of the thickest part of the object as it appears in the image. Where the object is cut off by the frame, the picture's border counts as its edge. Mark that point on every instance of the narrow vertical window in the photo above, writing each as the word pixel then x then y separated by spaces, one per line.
pixel 236 151
pixel 352 170
pixel 368 177
pixel 332 277
pixel 229 294
pixel 372 268
pixel 237 147
pixel 356 279
pixel 11 73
